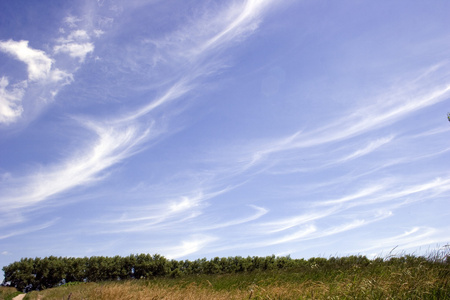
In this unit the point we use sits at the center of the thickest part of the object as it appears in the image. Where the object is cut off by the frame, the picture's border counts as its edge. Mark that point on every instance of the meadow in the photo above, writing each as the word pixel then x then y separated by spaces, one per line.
pixel 353 277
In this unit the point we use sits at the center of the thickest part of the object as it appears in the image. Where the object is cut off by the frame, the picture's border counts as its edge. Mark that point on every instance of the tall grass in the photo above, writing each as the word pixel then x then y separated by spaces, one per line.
pixel 394 277
pixel 7 293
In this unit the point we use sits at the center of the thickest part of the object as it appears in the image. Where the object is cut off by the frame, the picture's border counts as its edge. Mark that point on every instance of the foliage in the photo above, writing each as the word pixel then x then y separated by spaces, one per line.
pixel 404 277
pixel 353 277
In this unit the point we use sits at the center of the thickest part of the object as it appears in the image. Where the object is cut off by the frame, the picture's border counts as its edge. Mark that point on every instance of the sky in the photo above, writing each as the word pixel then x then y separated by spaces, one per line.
pixel 209 128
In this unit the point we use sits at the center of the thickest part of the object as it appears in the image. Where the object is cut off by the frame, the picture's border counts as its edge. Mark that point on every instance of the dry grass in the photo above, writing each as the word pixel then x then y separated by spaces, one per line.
pixel 7 293
pixel 135 291
pixel 394 278
pixel 366 288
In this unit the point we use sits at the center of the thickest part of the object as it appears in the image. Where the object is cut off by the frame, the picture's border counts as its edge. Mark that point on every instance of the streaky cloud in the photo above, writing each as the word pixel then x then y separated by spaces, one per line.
pixel 358 196
pixel 111 146
pixel 290 222
pixel 303 233
pixel 30 229
pixel 117 139
pixel 260 211
pixel 239 20
pixel 415 237
pixel 372 146
pixel 195 49
pixel 395 107
pixel 172 212
pixel 188 246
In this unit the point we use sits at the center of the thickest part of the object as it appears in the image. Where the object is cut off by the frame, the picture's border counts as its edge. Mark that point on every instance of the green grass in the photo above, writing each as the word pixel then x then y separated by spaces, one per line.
pixel 7 293
pixel 406 277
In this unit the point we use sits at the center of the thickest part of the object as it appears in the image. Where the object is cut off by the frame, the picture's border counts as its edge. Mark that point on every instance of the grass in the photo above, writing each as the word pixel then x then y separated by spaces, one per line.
pixel 7 293
pixel 406 277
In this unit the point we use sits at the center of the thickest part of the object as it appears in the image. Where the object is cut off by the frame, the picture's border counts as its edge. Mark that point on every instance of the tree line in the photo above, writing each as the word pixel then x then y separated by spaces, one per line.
pixel 42 273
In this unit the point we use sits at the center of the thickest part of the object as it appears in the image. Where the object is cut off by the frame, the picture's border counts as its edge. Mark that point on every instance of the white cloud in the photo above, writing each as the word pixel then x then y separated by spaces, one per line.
pixel 98 32
pixel 72 21
pixel 298 235
pixel 61 77
pixel 76 44
pixel 361 194
pixel 433 187
pixel 397 105
pixel 234 23
pixel 11 101
pixel 415 237
pixel 75 50
pixel 191 46
pixel 194 244
pixel 111 146
pixel 185 204
pixel 28 229
pixel 40 73
pixel 167 214
pixel 290 222
pixel 39 64
pixel 78 35
pixel 372 146
pixel 260 211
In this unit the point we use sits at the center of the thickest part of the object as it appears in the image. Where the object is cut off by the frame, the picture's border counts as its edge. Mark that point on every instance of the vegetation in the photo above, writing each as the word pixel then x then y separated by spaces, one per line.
pixel 7 293
pixel 404 277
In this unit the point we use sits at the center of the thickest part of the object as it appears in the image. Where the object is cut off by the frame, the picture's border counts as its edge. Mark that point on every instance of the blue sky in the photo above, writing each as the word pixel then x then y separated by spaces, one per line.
pixel 221 128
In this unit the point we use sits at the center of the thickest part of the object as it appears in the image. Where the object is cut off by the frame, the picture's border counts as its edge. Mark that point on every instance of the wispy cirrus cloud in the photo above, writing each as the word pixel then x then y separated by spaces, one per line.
pixel 169 212
pixel 260 212
pixel 413 238
pixel 189 245
pixel 110 148
pixel 391 191
pixel 291 222
pixel 192 51
pixel 35 227
pixel 120 136
pixel 210 189
pixel 363 120
pixel 372 146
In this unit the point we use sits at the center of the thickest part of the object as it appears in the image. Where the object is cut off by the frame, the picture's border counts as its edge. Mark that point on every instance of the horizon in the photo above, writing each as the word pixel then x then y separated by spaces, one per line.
pixel 217 129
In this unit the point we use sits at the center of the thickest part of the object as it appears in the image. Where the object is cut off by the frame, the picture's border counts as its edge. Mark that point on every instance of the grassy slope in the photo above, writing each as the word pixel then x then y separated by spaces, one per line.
pixel 389 279
pixel 7 293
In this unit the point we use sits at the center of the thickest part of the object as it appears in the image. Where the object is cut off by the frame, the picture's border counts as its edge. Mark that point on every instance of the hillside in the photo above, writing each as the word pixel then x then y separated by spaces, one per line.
pixel 357 277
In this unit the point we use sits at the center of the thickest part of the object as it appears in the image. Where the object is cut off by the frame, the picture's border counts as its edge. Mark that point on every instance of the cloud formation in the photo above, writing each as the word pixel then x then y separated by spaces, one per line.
pixel 38 63
pixel 120 136
pixel 166 140
pixel 77 44
pixel 11 100
pixel 41 71
pixel 110 147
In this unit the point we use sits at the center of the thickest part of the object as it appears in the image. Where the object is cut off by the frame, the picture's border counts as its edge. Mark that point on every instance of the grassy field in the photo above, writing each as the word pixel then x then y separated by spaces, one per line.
pixel 406 277
pixel 7 293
